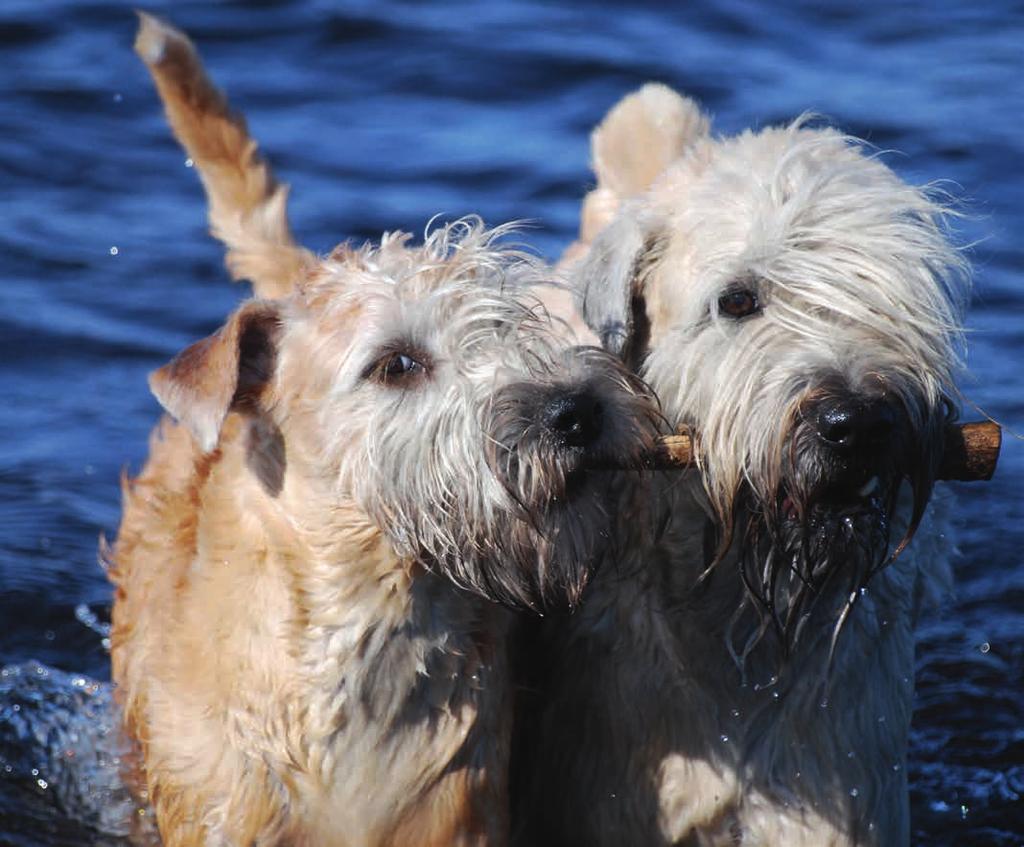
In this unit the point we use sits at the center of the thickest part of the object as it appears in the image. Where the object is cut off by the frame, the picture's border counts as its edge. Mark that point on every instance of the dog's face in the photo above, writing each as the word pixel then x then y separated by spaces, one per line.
pixel 798 305
pixel 418 387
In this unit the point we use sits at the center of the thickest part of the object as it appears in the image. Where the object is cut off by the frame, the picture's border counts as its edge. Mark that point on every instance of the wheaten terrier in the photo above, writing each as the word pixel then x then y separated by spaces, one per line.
pixel 306 638
pixel 799 306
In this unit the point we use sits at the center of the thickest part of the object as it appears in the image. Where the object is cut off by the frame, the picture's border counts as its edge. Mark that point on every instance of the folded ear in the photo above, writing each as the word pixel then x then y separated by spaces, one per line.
pixel 224 371
pixel 610 281
pixel 641 136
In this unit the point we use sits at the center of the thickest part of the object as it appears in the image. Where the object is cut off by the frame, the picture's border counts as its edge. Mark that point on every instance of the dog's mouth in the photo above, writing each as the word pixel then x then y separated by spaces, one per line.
pixel 852 521
pixel 808 545
pixel 867 500
pixel 554 446
pixel 555 481
pixel 826 536
pixel 845 463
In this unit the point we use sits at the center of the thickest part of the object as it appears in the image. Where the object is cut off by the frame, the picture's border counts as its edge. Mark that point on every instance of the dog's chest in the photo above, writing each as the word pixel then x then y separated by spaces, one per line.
pixel 410 706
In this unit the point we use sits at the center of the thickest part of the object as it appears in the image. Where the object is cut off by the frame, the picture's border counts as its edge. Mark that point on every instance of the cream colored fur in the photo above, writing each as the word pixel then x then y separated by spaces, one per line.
pixel 671 712
pixel 307 639
pixel 247 205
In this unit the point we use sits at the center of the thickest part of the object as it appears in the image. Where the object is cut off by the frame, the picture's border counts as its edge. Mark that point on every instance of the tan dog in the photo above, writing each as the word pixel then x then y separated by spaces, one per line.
pixel 305 635
pixel 799 306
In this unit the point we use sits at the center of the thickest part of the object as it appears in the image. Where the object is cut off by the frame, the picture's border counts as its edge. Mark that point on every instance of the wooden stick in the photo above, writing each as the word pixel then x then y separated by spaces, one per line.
pixel 970 454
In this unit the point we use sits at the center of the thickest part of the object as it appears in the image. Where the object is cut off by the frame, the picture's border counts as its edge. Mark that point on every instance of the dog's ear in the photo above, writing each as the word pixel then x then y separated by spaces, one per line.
pixel 609 285
pixel 641 136
pixel 224 371
pixel 638 139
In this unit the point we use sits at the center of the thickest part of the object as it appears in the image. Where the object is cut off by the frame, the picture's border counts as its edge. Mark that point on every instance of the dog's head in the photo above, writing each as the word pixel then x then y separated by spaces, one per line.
pixel 425 389
pixel 793 300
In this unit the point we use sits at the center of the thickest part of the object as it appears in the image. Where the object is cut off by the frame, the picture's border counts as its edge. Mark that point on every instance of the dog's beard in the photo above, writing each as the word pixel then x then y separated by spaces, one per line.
pixel 808 550
pixel 564 513
pixel 541 556
pixel 565 522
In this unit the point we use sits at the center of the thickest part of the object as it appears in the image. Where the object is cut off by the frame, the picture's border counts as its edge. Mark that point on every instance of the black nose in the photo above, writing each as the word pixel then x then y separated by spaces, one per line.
pixel 575 418
pixel 854 424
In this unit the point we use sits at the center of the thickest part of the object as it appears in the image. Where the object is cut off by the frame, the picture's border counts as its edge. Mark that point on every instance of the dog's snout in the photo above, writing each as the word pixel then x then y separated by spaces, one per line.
pixel 576 418
pixel 855 424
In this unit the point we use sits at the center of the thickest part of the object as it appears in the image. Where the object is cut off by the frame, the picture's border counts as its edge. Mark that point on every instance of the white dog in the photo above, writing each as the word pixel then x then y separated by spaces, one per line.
pixel 749 679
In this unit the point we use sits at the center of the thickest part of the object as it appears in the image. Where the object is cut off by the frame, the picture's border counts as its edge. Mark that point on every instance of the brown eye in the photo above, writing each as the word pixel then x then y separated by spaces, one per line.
pixel 396 368
pixel 739 304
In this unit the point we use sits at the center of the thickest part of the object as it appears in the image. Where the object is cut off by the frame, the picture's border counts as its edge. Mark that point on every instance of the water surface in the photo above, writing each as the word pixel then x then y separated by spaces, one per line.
pixel 381 115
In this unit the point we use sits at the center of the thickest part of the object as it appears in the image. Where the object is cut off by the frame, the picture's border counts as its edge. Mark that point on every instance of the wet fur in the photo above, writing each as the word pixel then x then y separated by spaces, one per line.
pixel 742 688
pixel 309 641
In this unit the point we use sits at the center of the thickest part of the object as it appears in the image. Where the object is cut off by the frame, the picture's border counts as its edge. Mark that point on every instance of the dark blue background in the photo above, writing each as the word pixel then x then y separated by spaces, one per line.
pixel 382 114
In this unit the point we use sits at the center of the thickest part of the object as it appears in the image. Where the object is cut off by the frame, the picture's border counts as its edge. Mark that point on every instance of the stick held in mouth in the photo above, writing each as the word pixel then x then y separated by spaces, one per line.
pixel 970 455
pixel 971 452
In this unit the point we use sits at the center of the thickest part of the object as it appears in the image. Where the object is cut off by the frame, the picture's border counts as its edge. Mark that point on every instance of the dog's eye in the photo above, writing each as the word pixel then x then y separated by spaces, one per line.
pixel 739 304
pixel 395 368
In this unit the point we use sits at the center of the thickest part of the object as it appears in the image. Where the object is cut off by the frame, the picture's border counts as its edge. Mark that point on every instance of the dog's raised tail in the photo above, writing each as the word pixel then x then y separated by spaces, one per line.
pixel 247 205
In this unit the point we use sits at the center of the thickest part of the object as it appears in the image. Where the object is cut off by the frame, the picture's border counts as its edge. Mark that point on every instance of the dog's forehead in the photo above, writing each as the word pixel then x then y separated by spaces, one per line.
pixel 798 212
pixel 355 309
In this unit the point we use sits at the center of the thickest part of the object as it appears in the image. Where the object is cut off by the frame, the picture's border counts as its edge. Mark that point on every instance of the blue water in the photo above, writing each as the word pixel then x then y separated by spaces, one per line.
pixel 381 115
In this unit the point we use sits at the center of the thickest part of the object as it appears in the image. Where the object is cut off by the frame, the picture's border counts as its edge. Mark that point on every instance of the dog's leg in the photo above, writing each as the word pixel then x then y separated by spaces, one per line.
pixel 247 205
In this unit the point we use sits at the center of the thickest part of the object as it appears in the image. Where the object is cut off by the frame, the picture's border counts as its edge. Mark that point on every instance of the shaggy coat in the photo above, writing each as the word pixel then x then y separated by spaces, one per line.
pixel 748 678
pixel 369 466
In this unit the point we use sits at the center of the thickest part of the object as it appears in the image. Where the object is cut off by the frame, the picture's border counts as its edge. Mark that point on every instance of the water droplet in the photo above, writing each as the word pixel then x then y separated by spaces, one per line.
pixel 189 163
pixel 985 647
pixel 824 703
pixel 798 774
pixel 114 251
pixel 8 769
pixel 725 738
pixel 896 768
pixel 42 783
pixel 49 635
pixel 735 713
pixel 863 591
pixel 871 827
pixel 613 796
pixel 775 695
pixel 16 708
pixel 881 718
pixel 854 792
pixel 963 812
pixel 35 771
